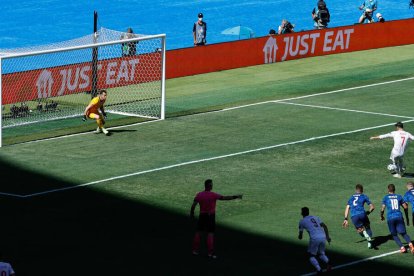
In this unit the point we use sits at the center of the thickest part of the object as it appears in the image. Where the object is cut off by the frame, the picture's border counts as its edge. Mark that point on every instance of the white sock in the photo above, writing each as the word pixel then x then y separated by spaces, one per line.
pixel 315 263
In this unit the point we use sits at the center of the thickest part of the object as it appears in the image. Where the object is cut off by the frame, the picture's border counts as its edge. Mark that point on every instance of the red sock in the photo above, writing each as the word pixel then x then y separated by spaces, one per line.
pixel 196 242
pixel 210 244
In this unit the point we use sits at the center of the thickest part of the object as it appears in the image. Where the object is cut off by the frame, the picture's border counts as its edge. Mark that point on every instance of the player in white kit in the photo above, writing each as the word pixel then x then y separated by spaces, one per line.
pixel 318 235
pixel 401 138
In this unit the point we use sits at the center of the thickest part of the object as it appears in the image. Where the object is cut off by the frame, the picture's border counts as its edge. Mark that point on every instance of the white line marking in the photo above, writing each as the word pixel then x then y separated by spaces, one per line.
pixel 359 261
pixel 11 195
pixel 210 159
pixel 348 110
pixel 317 94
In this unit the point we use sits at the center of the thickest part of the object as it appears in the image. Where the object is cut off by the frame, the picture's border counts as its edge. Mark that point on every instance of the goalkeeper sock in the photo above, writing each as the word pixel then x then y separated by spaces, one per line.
pixel 99 122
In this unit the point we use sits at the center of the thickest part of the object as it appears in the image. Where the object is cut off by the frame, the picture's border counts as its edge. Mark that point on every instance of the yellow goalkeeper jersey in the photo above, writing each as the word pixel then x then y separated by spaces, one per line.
pixel 96 105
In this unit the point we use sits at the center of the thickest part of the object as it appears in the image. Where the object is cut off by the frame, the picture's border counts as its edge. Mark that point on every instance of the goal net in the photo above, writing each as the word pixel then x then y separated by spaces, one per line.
pixel 57 81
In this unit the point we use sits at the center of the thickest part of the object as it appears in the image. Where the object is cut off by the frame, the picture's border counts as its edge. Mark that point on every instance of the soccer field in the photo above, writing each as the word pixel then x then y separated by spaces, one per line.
pixel 284 135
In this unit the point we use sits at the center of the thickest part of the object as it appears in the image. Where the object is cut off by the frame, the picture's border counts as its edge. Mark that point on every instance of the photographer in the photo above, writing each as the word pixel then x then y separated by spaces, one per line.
pixel 368 8
pixel 286 27
pixel 321 15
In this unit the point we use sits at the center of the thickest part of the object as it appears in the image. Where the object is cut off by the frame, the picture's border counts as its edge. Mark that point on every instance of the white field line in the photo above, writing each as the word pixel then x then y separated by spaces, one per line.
pixel 344 109
pixel 318 94
pixel 210 159
pixel 359 261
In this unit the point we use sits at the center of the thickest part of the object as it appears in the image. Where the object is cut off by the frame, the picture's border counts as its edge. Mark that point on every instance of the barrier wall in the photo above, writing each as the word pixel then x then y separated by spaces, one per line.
pixel 76 78
pixel 270 49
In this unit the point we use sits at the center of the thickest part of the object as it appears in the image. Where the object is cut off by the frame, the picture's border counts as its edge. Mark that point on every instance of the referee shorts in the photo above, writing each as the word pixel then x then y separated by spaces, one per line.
pixel 206 222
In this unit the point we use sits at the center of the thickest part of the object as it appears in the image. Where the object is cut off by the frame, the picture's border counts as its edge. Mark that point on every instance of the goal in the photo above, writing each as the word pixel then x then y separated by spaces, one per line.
pixel 57 81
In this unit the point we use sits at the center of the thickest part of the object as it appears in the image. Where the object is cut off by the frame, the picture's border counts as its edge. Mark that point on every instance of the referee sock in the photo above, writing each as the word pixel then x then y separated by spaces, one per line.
pixel 196 242
pixel 210 244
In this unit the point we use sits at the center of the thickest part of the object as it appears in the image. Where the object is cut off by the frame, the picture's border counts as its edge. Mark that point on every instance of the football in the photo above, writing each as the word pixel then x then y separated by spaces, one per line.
pixel 391 167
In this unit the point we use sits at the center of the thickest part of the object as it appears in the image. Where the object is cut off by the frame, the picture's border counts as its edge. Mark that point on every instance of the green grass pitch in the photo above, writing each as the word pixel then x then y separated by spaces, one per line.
pixel 278 137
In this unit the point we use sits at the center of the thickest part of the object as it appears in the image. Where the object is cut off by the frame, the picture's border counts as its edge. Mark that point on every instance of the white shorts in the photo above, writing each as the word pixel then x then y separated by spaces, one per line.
pixel 317 247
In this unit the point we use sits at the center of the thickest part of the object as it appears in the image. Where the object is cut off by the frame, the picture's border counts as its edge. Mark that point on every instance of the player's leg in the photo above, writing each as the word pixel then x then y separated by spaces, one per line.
pixel 201 227
pixel 398 164
pixel 96 117
pixel 322 255
pixel 211 228
pixel 101 121
pixel 392 226
pixel 400 226
pixel 313 248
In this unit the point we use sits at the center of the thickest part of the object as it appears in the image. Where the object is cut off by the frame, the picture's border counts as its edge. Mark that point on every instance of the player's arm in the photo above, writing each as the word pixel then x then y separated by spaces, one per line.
pixel 382 212
pixel 230 197
pixel 86 111
pixel 405 206
pixel 193 206
pixel 345 223
pixel 325 228
pixel 371 209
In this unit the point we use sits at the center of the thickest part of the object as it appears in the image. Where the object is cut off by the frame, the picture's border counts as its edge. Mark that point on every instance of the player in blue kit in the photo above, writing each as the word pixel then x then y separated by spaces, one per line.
pixel 409 199
pixel 318 235
pixel 359 216
pixel 395 220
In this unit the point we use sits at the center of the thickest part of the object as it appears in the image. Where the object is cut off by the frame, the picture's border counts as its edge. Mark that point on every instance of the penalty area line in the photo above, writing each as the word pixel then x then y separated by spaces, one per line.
pixel 210 159
pixel 358 261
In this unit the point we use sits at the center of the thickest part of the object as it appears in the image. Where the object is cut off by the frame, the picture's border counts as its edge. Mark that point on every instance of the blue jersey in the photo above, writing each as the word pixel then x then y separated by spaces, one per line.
pixel 356 204
pixel 409 198
pixel 393 203
pixel 370 4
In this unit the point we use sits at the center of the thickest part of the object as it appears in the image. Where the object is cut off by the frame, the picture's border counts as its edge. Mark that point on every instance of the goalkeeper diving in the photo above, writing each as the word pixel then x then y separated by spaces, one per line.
pixel 95 110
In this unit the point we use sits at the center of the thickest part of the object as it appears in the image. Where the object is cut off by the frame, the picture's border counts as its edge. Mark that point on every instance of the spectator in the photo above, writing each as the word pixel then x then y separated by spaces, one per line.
pixel 368 8
pixel 321 15
pixel 207 218
pixel 272 32
pixel 200 31
pixel 39 106
pixel 285 27
pixel 130 48
pixel 380 18
pixel 5 268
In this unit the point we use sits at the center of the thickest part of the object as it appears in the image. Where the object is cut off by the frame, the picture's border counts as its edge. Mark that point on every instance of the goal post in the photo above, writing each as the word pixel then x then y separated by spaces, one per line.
pixel 57 81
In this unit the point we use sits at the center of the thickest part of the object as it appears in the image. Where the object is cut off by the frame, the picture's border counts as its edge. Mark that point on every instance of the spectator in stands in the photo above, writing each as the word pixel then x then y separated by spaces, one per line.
pixel 368 8
pixel 286 27
pixel 130 48
pixel 380 18
pixel 14 110
pixel 272 32
pixel 321 15
pixel 200 31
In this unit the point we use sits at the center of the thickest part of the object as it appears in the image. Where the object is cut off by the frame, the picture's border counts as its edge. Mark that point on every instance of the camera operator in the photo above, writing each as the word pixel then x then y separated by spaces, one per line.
pixel 368 8
pixel 321 15
pixel 286 27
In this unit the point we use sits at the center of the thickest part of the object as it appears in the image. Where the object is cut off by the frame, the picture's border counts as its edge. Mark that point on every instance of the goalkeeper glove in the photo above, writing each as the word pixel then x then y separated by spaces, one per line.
pixel 104 114
pixel 84 118
pixel 367 213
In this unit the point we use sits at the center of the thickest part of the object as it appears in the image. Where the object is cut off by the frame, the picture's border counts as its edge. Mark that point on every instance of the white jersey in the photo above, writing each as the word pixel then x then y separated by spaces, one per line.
pixel 312 225
pixel 6 269
pixel 401 138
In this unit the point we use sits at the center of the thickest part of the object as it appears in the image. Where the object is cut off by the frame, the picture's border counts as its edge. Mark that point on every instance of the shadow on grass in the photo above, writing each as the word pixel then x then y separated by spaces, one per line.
pixel 85 232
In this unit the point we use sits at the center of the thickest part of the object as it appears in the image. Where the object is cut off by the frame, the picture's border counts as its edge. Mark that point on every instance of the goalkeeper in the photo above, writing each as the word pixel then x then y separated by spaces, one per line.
pixel 95 110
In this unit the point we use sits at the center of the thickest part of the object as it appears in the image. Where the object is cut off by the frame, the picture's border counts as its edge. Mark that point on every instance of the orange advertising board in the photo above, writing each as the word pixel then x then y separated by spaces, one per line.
pixel 277 48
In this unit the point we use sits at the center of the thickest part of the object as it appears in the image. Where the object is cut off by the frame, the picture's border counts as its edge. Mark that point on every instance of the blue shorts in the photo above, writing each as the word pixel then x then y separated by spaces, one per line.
pixel 360 220
pixel 396 226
